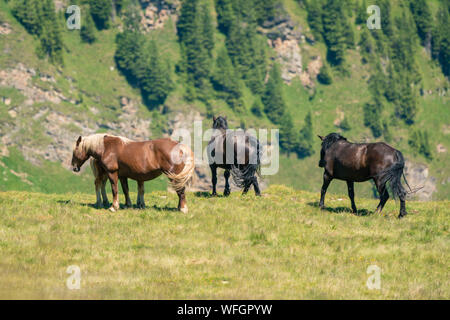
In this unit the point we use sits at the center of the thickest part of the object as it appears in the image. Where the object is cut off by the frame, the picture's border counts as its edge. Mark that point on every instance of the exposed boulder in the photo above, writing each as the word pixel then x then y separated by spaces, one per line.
pixel 5 28
pixel 156 12
pixel 419 179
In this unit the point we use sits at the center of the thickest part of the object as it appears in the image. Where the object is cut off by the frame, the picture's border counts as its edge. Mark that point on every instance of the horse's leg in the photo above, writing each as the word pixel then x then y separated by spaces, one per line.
pixel 113 179
pixel 384 195
pixel 227 185
pixel 182 206
pixel 326 182
pixel 214 179
pixel 124 183
pixel 247 186
pixel 98 186
pixel 402 207
pixel 104 196
pixel 140 200
pixel 351 194
pixel 256 186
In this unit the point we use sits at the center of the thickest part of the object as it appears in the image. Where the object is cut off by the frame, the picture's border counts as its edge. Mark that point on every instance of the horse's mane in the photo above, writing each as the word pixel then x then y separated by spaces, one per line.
pixel 220 123
pixel 94 142
pixel 330 139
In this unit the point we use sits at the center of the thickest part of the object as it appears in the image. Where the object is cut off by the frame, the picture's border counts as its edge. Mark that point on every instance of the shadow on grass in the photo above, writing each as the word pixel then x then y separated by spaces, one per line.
pixel 360 212
pixel 121 206
pixel 165 208
pixel 207 194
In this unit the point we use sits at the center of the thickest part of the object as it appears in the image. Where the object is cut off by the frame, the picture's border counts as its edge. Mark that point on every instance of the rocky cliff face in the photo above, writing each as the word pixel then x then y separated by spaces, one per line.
pixel 59 129
pixel 285 37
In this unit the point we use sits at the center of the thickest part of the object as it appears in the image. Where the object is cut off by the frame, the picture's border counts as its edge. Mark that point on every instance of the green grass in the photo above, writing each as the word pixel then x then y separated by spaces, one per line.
pixel 279 246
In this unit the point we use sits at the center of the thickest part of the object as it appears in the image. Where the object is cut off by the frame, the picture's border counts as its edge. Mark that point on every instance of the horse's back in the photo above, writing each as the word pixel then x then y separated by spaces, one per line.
pixel 380 156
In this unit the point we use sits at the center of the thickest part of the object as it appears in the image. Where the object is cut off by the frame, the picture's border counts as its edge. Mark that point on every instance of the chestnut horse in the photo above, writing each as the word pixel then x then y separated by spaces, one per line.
pixel 358 162
pixel 100 181
pixel 122 158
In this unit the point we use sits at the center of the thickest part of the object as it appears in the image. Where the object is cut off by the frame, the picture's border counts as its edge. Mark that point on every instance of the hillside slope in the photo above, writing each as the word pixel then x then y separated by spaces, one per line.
pixel 280 246
pixel 44 107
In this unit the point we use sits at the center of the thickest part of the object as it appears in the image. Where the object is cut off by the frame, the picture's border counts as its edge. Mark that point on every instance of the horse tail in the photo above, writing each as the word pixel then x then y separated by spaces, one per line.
pixel 393 175
pixel 243 174
pixel 180 180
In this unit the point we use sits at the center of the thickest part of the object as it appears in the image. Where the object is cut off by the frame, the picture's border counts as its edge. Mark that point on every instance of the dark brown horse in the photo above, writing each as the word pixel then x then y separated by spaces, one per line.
pixel 122 158
pixel 358 162
pixel 243 169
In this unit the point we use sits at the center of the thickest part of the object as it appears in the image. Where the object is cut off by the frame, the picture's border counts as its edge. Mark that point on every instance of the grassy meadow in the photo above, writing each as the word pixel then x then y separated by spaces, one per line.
pixel 280 246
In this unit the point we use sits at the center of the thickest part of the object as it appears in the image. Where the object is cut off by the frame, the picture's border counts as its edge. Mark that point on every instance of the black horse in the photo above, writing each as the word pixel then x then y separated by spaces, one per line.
pixel 243 169
pixel 358 162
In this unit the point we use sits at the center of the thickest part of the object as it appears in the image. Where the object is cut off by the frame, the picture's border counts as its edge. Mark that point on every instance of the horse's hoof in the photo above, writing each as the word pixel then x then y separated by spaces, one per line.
pixel 402 215
pixel 105 204
pixel 184 210
pixel 112 209
pixel 213 194
pixel 226 193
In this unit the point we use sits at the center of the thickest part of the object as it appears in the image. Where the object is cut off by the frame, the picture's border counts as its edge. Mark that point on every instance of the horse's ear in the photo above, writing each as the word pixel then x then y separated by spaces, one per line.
pixel 79 140
pixel 214 118
pixel 320 137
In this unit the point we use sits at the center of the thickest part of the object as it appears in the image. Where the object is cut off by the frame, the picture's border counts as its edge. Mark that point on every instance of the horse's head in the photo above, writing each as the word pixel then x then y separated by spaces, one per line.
pixel 79 155
pixel 327 142
pixel 220 123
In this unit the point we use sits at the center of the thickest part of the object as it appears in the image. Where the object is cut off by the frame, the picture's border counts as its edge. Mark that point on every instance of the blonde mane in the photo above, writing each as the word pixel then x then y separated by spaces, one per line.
pixel 94 142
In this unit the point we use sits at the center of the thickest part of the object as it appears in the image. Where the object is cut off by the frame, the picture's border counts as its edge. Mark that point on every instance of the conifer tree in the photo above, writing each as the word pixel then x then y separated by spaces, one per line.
pixel 366 46
pixel 372 115
pixel 207 29
pixel 361 14
pixel 257 108
pixel 225 15
pixel 186 21
pixel 314 17
pixel 128 47
pixel 195 45
pixel 265 9
pixel 440 42
pixel 288 134
pixel 273 100
pixel 305 139
pixel 101 12
pixel 334 31
pixel 324 76
pixel 155 81
pixel 87 32
pixel 28 13
pixel 423 19
pixel 51 43
pixel 227 82
pixel 386 23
